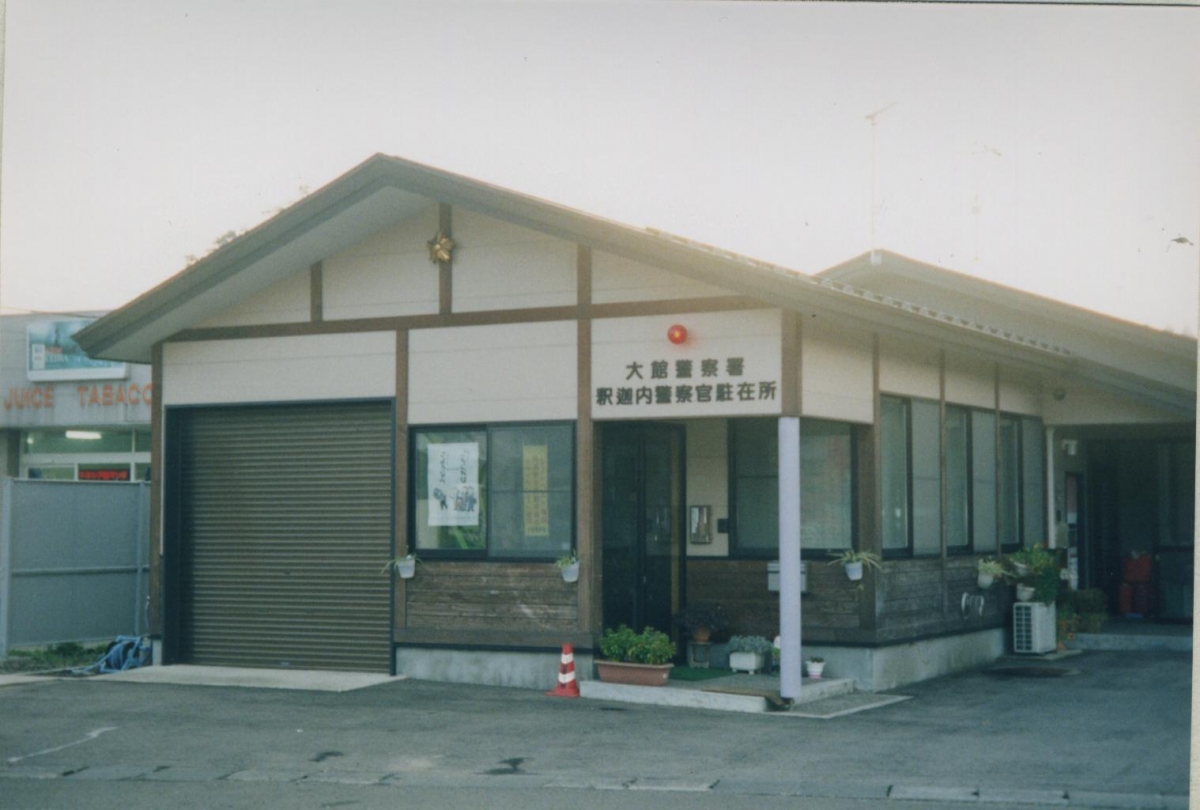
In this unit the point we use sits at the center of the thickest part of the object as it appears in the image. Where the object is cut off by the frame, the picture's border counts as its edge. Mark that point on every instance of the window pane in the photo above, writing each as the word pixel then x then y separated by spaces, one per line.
pixel 826 485
pixel 51 473
pixel 756 447
pixel 531 473
pixel 1010 483
pixel 958 489
pixel 141 441
pixel 451 490
pixel 78 441
pixel 983 476
pixel 927 479
pixel 894 462
pixel 1033 482
pixel 756 484
pixel 757 513
pixel 530 524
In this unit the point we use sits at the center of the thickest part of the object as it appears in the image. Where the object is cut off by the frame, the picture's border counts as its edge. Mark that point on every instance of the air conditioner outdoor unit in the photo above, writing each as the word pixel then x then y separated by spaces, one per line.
pixel 1033 627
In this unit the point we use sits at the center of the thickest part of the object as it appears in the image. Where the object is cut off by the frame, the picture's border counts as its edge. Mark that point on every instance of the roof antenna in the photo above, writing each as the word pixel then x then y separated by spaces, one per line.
pixel 876 259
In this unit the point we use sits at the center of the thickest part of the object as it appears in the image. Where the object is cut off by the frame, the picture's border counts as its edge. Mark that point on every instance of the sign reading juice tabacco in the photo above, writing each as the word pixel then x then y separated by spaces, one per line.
pixel 729 365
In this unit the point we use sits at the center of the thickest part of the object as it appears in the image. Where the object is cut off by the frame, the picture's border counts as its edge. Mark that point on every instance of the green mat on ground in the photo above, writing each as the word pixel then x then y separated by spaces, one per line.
pixel 697 674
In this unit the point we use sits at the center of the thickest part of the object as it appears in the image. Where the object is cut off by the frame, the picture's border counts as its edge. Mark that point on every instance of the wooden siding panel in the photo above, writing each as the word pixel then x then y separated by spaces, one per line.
pixel 453 595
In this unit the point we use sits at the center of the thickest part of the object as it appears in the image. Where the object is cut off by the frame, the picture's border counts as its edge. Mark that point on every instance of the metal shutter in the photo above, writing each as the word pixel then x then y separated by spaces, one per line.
pixel 286 521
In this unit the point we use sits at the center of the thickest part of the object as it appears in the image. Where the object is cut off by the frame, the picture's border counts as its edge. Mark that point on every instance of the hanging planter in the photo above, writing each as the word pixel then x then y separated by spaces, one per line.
pixel 568 565
pixel 986 572
pixel 405 566
pixel 852 562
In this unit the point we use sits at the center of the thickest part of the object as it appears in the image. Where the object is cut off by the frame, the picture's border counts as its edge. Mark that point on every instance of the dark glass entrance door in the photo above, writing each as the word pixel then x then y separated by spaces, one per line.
pixel 641 521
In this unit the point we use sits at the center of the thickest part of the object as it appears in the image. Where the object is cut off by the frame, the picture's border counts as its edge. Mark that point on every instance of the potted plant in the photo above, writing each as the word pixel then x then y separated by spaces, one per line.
pixel 568 565
pixel 405 566
pixel 640 659
pixel 814 667
pixel 748 653
pixel 853 561
pixel 1040 580
pixel 986 571
pixel 701 620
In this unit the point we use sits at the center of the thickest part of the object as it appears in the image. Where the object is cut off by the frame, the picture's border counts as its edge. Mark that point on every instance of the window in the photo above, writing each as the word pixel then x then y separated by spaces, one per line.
pixel 990 498
pixel 1009 485
pixel 498 491
pixel 826 486
pixel 894 472
pixel 958 479
pixel 1033 481
pixel 926 477
pixel 755 453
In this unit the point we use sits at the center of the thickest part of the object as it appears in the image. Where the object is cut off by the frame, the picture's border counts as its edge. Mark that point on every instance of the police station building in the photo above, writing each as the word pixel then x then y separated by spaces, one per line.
pixel 411 360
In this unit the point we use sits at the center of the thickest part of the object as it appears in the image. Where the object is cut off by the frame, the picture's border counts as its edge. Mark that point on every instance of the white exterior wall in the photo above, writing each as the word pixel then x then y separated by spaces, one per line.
pixel 836 375
pixel 616 280
pixel 1020 396
pixel 909 371
pixel 288 369
pixel 708 479
pixel 502 266
pixel 970 383
pixel 507 373
pixel 752 336
pixel 1090 406
pixel 386 275
pixel 286 301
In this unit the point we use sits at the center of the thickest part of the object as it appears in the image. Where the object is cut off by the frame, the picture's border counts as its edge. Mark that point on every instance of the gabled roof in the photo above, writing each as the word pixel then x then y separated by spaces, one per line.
pixel 383 190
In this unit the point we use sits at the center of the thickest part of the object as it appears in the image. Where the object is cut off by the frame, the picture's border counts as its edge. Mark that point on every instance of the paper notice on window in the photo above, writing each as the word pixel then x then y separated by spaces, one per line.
pixel 454 484
pixel 536 476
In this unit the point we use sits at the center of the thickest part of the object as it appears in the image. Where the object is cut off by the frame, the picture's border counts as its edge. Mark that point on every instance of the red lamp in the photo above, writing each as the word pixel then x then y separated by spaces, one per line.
pixel 677 334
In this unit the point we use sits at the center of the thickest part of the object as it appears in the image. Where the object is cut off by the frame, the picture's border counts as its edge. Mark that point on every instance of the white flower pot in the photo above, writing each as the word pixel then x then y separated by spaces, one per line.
pixel 1024 593
pixel 570 573
pixel 985 580
pixel 750 662
pixel 854 571
pixel 406 568
pixel 814 669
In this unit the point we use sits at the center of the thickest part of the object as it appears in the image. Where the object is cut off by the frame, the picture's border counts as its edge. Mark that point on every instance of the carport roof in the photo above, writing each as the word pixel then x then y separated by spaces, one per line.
pixel 385 189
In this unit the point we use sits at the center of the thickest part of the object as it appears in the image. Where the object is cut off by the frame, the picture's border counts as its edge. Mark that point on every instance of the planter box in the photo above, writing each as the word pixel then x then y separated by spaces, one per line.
pixel 634 674
pixel 750 662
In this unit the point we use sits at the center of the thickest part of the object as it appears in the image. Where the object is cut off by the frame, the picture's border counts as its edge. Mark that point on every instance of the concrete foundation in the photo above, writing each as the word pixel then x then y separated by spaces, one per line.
pixel 873 669
pixel 527 670
pixel 877 669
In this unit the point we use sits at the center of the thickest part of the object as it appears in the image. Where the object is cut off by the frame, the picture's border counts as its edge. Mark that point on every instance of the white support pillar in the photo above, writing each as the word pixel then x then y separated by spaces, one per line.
pixel 1051 523
pixel 789 557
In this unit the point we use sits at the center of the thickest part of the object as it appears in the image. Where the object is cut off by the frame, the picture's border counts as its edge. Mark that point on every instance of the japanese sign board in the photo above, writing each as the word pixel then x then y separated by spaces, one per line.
pixel 52 354
pixel 731 366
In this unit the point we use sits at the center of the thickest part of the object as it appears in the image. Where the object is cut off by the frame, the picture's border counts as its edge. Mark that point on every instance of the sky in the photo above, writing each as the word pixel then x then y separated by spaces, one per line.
pixel 1055 149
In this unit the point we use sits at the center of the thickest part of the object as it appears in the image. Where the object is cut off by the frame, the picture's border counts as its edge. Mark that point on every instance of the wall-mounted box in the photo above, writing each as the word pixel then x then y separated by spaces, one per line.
pixel 773 576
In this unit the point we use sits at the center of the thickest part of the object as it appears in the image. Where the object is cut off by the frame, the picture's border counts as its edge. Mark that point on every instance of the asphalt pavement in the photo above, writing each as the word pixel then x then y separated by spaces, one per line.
pixel 1101 729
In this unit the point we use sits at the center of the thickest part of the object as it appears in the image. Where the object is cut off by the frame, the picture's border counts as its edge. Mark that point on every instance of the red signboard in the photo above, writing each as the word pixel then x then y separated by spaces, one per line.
pixel 106 474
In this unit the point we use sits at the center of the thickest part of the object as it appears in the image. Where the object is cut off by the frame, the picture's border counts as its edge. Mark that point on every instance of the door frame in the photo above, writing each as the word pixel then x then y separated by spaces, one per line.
pixel 678 431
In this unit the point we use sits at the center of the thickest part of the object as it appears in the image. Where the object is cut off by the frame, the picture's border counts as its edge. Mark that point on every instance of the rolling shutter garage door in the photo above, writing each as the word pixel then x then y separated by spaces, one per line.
pixel 286 521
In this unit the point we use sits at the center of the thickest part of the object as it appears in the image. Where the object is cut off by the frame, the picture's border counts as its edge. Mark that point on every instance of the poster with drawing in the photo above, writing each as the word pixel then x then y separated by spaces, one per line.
pixel 454 484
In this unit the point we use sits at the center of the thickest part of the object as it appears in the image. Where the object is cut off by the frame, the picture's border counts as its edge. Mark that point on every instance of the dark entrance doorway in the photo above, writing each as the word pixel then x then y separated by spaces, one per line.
pixel 642 522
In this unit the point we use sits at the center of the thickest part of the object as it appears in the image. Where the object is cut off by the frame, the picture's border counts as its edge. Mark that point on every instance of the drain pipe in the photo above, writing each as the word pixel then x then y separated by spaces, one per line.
pixel 789 557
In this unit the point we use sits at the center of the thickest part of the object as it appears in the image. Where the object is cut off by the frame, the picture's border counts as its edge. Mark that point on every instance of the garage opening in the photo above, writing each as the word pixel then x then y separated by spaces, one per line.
pixel 279 519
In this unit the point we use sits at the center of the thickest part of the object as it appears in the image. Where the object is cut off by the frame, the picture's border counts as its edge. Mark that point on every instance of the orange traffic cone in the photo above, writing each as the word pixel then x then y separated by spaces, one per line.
pixel 567 686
